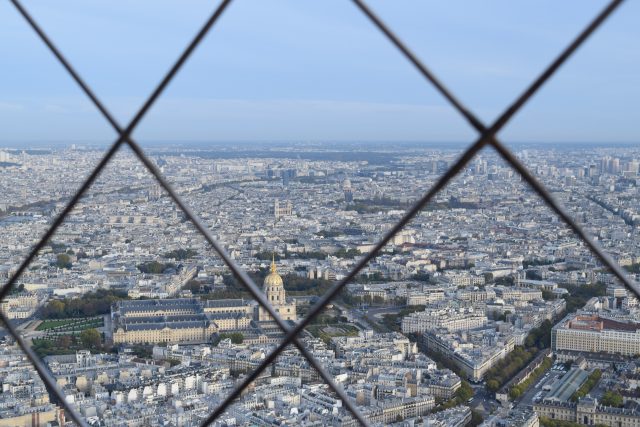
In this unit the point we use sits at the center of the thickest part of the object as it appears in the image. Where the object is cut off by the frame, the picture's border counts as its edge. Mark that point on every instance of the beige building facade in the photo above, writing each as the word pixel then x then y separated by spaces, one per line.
pixel 594 334
pixel 191 320
pixel 587 412
pixel 277 296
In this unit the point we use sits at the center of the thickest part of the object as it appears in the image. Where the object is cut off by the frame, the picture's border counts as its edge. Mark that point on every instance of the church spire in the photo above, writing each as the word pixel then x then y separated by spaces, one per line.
pixel 273 263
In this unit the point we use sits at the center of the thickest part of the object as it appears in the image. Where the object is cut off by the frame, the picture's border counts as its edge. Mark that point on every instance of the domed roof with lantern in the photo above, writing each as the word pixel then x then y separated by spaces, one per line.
pixel 273 278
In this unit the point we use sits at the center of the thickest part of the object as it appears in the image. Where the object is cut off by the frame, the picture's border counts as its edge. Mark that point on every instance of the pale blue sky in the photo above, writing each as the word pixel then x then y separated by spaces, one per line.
pixel 318 70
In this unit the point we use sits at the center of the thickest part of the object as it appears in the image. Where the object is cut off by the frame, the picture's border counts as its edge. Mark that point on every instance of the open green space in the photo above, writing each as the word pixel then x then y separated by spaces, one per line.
pixel 294 284
pixel 47 347
pixel 181 254
pixel 326 332
pixel 88 305
pixel 505 369
pixel 88 339
pixel 517 390
pixel 155 267
pixel 68 325
pixel 579 294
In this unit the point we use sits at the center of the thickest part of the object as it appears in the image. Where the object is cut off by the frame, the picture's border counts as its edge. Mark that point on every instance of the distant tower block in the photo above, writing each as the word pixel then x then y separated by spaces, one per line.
pixel 287 175
pixel 348 191
pixel 282 209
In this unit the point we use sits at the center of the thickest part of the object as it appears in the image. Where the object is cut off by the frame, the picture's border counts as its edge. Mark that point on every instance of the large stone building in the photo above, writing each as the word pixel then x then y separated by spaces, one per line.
pixel 191 320
pixel 473 360
pixel 161 321
pixel 451 319
pixel 588 412
pixel 277 296
pixel 594 334
pixel 282 209
pixel 19 306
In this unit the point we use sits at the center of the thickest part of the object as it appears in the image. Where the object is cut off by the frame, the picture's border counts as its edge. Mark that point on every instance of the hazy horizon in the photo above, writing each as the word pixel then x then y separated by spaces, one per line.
pixel 327 144
pixel 295 71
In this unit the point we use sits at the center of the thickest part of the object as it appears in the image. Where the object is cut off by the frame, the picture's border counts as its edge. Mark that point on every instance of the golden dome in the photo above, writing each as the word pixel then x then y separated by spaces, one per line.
pixel 273 278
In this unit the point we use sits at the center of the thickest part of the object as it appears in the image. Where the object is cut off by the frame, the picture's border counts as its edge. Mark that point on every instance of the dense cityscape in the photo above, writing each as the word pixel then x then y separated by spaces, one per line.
pixel 486 309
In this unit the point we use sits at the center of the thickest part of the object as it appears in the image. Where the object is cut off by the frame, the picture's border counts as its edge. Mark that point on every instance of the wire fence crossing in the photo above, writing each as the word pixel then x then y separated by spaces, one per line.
pixel 487 137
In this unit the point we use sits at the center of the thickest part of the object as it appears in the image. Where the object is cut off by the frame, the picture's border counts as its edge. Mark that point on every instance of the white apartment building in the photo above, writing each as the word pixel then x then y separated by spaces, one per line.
pixel 19 306
pixel 452 320
pixel 594 334
pixel 425 297
pixel 464 278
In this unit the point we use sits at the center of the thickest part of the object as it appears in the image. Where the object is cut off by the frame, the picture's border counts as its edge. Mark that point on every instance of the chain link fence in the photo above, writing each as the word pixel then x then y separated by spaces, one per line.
pixel 487 136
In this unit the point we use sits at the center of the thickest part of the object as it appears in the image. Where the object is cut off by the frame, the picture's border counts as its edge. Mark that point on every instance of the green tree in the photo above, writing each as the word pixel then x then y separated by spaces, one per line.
pixel 173 362
pixel 57 247
pixel 476 419
pixel 512 364
pixel 17 289
pixel 547 295
pixel 579 294
pixel 465 392
pixel 63 261
pixel 193 286
pixel 235 337
pixel 268 256
pixel 54 310
pixel 586 387
pixel 505 281
pixel 421 277
pixel 515 392
pixel 88 305
pixel 64 341
pixel 347 253
pixel 307 255
pixel 612 398
pixel 493 385
pixel 181 254
pixel 90 338
pixel 154 267
pixel 534 275
pixel 142 351
pixel 328 233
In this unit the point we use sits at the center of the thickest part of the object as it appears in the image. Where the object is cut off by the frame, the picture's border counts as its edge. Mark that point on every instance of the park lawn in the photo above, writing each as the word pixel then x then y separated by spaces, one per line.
pixel 50 324
pixel 71 324
pixel 46 347
pixel 63 343
pixel 326 332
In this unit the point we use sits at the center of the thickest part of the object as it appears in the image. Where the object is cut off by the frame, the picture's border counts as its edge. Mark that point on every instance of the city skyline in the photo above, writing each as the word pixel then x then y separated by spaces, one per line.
pixel 457 305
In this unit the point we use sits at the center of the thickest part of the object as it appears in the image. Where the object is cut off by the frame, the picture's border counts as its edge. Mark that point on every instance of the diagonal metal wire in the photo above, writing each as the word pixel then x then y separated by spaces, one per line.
pixel 499 147
pixel 248 283
pixel 244 278
pixel 544 193
pixel 487 135
pixel 121 139
pixel 47 379
pixel 43 371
